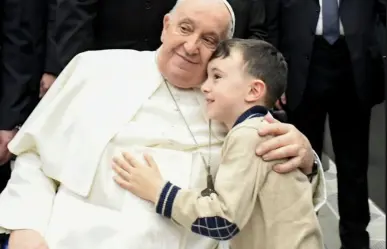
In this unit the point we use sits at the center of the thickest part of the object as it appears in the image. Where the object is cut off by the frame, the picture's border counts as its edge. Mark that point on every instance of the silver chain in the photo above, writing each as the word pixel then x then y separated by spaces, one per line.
pixel 208 164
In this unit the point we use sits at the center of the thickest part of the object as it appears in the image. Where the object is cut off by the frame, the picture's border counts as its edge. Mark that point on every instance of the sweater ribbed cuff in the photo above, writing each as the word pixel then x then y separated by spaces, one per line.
pixel 167 197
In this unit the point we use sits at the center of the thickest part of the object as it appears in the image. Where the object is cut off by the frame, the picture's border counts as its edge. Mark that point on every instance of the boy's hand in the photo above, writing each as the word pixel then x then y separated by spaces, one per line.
pixel 144 181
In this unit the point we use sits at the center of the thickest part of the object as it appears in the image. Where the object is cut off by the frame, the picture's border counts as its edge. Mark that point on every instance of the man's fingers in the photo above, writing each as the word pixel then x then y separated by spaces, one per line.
pixel 269 118
pixel 283 99
pixel 278 105
pixel 5 138
pixel 26 239
pixel 282 152
pixel 4 161
pixel 287 166
pixel 5 157
pixel 43 92
pixel 272 144
pixel 41 88
pixel 274 129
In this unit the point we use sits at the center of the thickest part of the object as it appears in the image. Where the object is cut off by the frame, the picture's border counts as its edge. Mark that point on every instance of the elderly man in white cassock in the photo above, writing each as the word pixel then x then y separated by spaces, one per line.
pixel 62 193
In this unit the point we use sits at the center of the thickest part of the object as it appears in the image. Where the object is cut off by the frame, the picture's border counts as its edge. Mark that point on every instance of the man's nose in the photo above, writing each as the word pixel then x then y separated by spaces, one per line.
pixel 191 46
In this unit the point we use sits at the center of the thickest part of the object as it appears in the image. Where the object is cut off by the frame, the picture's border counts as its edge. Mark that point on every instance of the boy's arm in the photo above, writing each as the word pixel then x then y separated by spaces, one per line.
pixel 237 183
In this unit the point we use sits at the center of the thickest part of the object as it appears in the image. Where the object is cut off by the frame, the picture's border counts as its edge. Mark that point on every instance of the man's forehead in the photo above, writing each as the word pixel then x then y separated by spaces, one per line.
pixel 214 27
pixel 212 14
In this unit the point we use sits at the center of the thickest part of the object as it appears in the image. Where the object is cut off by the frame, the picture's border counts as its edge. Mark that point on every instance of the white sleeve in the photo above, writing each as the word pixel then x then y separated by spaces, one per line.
pixel 27 200
pixel 319 186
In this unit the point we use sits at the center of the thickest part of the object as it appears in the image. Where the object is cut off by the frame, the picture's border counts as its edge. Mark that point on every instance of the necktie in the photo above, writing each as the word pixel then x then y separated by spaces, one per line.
pixel 331 23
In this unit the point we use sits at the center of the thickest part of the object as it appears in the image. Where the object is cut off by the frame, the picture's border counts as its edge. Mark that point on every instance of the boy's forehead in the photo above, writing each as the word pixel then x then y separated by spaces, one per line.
pixel 234 60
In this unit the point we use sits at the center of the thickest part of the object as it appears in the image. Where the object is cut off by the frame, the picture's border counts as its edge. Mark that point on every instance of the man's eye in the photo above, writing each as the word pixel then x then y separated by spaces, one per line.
pixel 185 29
pixel 210 42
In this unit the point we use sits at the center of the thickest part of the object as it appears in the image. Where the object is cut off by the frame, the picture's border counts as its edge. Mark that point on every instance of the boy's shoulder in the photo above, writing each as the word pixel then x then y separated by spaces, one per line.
pixel 255 122
pixel 248 127
pixel 247 132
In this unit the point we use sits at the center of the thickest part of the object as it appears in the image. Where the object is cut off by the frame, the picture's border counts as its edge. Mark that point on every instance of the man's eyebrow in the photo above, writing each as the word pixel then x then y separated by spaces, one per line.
pixel 187 20
pixel 190 21
pixel 215 35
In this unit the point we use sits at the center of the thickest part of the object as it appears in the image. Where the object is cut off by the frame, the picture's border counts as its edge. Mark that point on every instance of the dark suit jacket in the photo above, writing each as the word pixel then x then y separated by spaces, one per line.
pixel 382 35
pixel 114 24
pixel 22 57
pixel 250 17
pixel 291 27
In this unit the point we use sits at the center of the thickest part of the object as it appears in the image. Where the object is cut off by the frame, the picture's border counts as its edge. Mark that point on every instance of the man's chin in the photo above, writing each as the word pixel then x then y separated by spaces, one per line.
pixel 184 80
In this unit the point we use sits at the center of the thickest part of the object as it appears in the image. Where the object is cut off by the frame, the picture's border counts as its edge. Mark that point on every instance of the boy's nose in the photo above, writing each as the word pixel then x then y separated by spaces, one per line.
pixel 204 87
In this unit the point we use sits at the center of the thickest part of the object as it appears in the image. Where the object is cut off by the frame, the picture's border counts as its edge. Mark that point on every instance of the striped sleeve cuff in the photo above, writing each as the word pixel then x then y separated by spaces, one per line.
pixel 215 227
pixel 166 199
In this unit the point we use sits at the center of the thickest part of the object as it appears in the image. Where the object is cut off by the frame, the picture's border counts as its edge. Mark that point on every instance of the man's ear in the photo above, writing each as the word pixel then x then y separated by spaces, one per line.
pixel 166 24
pixel 257 91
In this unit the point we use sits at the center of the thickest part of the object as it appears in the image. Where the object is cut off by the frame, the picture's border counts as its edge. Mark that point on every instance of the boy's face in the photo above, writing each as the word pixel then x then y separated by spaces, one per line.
pixel 226 87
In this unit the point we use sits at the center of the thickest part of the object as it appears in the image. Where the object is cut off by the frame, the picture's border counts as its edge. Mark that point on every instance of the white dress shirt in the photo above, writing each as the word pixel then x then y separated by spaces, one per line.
pixel 319 28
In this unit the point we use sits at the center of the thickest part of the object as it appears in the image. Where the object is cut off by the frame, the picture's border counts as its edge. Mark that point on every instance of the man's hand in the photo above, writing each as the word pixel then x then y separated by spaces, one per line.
pixel 281 102
pixel 288 142
pixel 5 138
pixel 45 83
pixel 144 181
pixel 26 239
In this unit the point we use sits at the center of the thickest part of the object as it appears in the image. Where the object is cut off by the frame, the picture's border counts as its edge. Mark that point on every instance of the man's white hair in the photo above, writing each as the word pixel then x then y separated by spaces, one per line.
pixel 231 25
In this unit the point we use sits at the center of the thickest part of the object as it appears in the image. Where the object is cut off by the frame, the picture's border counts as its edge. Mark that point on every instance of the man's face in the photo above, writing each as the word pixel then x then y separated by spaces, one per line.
pixel 226 87
pixel 189 38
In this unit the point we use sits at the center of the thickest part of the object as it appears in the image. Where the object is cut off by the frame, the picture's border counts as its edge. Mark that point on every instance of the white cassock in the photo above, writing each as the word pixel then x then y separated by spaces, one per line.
pixel 105 103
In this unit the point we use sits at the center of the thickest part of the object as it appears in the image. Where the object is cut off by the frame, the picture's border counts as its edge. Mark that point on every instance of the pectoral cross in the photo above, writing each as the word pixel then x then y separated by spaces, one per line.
pixel 210 187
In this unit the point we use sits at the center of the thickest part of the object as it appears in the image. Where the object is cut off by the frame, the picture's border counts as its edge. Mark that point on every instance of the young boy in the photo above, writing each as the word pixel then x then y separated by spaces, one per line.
pixel 253 206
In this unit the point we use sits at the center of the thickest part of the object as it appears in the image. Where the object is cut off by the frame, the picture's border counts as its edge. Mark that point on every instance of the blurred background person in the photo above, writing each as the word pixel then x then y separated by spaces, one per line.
pixel 23 54
pixel 382 35
pixel 334 68
pixel 51 66
pixel 250 19
pixel 83 25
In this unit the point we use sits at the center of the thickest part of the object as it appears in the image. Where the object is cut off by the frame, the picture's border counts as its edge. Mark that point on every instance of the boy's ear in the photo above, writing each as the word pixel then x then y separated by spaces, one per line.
pixel 257 91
